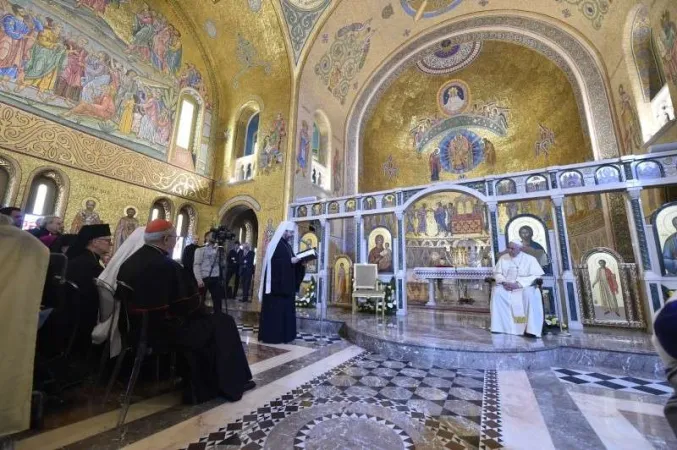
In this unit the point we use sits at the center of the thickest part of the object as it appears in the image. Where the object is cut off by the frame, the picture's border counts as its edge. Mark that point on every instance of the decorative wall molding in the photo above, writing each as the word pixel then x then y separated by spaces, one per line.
pixel 31 135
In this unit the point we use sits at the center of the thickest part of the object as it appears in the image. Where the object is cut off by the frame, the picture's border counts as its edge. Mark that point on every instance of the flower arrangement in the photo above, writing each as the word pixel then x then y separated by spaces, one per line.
pixel 553 321
pixel 309 299
pixel 388 300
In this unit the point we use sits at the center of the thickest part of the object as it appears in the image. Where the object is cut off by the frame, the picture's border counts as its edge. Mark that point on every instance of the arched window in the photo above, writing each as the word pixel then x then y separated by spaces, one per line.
pixel 246 143
pixel 646 105
pixel 10 174
pixel 161 209
pixel 187 130
pixel 184 228
pixel 187 123
pixel 4 185
pixel 315 142
pixel 42 197
pixel 252 135
pixel 320 173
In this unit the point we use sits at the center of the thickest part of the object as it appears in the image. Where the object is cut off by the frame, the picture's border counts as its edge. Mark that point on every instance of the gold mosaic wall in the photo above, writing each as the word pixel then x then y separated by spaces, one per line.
pixel 533 88
pixel 112 196
pixel 28 134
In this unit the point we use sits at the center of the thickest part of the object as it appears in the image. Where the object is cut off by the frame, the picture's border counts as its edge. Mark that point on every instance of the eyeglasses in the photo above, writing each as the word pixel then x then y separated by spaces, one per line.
pixel 106 240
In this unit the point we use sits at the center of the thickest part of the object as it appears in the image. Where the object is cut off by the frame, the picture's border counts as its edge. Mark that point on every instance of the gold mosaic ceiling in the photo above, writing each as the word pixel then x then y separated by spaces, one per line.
pixel 506 79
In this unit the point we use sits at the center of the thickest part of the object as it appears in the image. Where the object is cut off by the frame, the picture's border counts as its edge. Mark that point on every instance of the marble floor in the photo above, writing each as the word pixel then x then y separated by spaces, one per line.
pixel 323 392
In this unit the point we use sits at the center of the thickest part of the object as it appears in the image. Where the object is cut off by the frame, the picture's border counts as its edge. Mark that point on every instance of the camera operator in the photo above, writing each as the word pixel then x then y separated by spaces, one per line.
pixel 206 270
pixel 234 256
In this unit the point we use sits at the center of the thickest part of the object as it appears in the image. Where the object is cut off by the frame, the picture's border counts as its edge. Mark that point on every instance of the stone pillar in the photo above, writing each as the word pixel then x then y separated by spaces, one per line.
pixel 322 278
pixel 643 254
pixel 401 272
pixel 567 282
pixel 358 238
pixel 493 224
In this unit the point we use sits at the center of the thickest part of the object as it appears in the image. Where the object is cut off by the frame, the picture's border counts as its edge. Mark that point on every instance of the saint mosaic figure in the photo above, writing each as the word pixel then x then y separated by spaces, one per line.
pixel 125 227
pixel 85 216
pixel 608 288
pixel 516 305
pixel 670 251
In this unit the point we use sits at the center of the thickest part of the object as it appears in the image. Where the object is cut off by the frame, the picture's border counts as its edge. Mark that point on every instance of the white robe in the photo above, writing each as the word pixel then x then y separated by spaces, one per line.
pixel 513 312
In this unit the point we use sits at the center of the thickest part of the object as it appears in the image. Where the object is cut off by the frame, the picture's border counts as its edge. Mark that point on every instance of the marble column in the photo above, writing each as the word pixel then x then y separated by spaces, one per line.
pixel 322 281
pixel 567 281
pixel 493 223
pixel 401 270
pixel 358 238
pixel 645 254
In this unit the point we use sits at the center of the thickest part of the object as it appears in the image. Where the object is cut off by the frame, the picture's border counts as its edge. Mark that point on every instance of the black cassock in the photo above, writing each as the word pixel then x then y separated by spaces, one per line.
pixel 210 343
pixel 277 322
pixel 81 270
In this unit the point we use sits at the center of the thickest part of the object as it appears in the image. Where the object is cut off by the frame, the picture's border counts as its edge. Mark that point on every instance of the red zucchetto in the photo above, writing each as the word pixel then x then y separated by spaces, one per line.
pixel 158 225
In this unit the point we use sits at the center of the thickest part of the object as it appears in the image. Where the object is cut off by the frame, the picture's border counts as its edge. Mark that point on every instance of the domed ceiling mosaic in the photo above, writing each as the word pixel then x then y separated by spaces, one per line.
pixel 448 58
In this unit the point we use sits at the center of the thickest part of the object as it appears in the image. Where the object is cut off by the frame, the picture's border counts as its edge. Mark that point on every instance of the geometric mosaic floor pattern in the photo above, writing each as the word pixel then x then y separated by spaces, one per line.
pixel 310 338
pixel 614 382
pixel 376 403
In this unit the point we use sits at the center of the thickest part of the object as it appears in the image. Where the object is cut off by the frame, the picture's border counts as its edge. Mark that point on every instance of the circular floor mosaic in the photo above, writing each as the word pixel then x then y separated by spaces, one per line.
pixel 353 430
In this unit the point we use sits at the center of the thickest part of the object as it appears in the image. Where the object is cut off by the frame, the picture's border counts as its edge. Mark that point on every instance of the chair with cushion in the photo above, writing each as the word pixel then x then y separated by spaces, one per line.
pixel 367 286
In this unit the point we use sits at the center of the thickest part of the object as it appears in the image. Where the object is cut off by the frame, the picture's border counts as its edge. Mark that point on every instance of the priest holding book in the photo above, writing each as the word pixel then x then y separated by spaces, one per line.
pixel 281 277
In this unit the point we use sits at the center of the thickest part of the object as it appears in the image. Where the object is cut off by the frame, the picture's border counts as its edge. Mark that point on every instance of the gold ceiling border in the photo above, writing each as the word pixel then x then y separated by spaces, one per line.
pixel 35 136
pixel 563 46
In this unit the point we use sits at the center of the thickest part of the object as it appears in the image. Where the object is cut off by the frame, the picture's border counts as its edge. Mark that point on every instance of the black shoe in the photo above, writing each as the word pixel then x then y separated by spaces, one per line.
pixel 249 385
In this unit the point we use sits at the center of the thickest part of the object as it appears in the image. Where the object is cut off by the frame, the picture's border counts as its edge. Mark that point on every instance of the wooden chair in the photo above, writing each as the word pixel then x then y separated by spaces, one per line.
pixel 367 286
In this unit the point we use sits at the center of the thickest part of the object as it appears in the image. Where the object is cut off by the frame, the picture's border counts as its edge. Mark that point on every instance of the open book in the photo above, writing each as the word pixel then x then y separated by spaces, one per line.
pixel 307 255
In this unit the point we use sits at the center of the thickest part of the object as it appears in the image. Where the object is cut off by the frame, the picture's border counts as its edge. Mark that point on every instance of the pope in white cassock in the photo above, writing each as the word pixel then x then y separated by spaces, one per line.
pixel 516 305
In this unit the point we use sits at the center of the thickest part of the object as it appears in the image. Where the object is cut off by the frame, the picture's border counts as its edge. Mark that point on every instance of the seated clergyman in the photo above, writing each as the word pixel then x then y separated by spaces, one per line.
pixel 516 306
pixel 210 343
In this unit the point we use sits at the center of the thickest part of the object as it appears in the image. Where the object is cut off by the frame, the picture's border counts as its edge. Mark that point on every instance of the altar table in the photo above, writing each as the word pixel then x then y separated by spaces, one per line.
pixel 450 273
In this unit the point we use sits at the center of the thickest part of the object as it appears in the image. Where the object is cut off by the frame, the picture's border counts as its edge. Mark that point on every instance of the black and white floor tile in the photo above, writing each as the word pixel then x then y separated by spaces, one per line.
pixel 614 382
pixel 491 424
pixel 301 337
pixel 377 402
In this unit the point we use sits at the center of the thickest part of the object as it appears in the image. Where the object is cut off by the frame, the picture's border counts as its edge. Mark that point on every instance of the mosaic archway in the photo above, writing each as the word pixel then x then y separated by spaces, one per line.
pixel 569 53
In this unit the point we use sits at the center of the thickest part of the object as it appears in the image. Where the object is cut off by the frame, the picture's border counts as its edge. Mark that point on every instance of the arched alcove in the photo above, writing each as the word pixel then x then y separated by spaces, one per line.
pixel 571 53
pixel 640 99
pixel 320 149
pixel 188 125
pixel 161 208
pixel 48 189
pixel 10 177
pixel 245 147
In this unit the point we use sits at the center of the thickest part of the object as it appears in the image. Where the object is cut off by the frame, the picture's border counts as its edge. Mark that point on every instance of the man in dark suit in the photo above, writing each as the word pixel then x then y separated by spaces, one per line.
pixel 233 260
pixel 188 258
pixel 246 270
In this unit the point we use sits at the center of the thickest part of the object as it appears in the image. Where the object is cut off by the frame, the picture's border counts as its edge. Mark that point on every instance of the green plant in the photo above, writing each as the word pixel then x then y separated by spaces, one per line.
pixel 553 321
pixel 309 299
